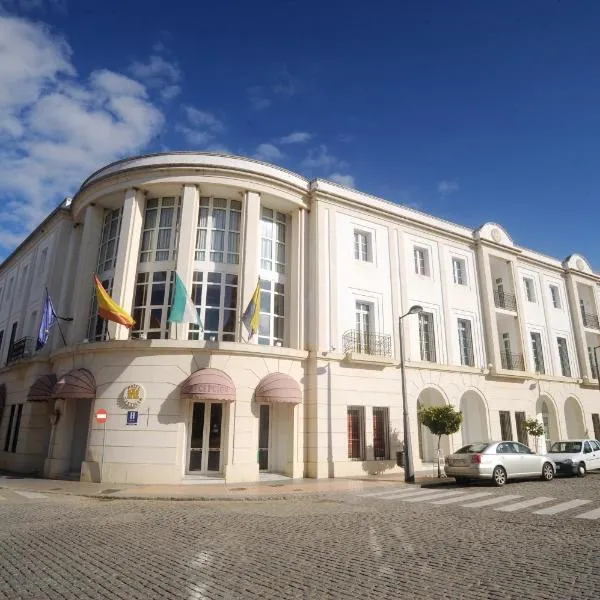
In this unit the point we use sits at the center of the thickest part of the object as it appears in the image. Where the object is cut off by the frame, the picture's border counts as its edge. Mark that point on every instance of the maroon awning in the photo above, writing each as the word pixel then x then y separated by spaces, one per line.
pixel 78 384
pixel 42 388
pixel 209 384
pixel 278 388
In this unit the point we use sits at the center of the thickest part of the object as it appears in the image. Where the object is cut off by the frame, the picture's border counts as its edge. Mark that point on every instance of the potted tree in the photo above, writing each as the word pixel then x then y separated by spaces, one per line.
pixel 535 429
pixel 441 420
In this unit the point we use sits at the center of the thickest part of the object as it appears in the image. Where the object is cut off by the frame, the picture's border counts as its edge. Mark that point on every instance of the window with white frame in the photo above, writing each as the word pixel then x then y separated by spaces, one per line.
pixel 427 336
pixel 465 342
pixel 42 260
pixel 215 297
pixel 151 304
pixel 529 289
pixel 555 294
pixel 218 230
pixel 364 326
pixel 421 256
pixel 356 432
pixel 105 269
pixel 459 271
pixel 271 330
pixel 563 354
pixel 161 226
pixel 272 240
pixel 272 313
pixel 538 354
pixel 363 246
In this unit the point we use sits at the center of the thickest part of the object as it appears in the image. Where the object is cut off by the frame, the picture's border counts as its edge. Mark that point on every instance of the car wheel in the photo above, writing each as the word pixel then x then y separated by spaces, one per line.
pixel 581 470
pixel 547 472
pixel 499 476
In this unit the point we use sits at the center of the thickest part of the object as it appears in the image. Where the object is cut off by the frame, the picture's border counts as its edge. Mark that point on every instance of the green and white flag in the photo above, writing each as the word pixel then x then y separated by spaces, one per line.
pixel 183 309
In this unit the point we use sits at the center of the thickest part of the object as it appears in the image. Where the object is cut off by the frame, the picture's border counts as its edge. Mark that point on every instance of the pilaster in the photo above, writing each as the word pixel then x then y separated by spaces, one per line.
pixel 578 330
pixel 488 308
pixel 296 289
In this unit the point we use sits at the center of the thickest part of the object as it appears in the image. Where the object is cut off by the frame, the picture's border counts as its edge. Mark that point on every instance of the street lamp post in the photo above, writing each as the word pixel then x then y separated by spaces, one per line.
pixel 409 472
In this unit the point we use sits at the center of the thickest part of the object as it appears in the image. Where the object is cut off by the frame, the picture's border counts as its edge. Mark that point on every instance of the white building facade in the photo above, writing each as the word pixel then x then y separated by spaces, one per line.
pixel 505 333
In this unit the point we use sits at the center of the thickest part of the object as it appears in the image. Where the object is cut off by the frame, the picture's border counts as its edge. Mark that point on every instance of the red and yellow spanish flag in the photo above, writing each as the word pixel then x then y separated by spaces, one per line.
pixel 108 309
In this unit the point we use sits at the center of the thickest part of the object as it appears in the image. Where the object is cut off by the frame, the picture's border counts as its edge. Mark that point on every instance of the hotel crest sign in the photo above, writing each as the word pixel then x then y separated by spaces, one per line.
pixel 133 395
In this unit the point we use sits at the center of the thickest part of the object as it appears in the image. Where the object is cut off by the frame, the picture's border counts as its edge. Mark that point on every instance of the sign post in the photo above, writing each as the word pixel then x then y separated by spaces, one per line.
pixel 101 416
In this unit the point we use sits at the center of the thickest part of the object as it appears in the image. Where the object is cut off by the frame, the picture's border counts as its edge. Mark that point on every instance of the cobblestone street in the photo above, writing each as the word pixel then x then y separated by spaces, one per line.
pixel 450 542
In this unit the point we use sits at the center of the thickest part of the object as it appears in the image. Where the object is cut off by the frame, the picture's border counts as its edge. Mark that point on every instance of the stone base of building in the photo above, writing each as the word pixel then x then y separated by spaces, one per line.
pixel 241 473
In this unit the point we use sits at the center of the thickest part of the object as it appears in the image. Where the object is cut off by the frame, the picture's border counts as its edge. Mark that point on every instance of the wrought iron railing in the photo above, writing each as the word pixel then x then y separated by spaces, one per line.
pixel 505 300
pixel 590 320
pixel 375 344
pixel 512 362
pixel 21 348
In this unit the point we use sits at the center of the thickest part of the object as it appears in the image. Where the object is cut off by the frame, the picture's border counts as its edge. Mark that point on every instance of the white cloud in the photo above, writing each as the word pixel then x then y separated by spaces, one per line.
pixel 347 180
pixel 258 97
pixel 297 137
pixel 31 5
pixel 158 73
pixel 268 152
pixel 445 187
pixel 56 128
pixel 321 159
pixel 201 126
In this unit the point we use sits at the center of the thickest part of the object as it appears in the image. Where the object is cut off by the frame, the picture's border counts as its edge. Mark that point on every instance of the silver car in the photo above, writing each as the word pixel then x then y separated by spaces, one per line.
pixel 498 461
pixel 576 457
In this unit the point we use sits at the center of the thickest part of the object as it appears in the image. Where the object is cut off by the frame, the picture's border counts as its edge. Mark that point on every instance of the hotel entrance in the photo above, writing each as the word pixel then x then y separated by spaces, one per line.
pixel 206 439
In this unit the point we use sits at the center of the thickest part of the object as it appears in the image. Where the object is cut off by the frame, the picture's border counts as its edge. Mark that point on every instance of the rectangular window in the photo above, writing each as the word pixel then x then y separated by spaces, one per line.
pixel 521 430
pixel 272 313
pixel 421 256
pixel 364 321
pixel 555 293
pixel 459 271
pixel 529 289
pixel 42 263
pixel 381 433
pixel 465 342
pixel 97 326
pixel 109 242
pixel 151 304
pixel 13 335
pixel 538 354
pixel 356 432
pixel 563 354
pixel 362 246
pixel 592 359
pixel 23 278
pixel 427 336
pixel 272 240
pixel 215 298
pixel 218 231
pixel 505 425
pixel 161 225
pixel 596 423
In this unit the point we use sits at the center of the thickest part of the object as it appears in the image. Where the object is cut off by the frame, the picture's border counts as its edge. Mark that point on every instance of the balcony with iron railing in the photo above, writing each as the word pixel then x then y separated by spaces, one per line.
pixel 21 348
pixel 590 320
pixel 372 344
pixel 512 362
pixel 505 300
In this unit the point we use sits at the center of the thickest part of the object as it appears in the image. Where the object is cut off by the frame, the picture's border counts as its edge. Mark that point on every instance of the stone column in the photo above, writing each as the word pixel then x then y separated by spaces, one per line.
pixel 127 257
pixel 186 249
pixel 83 289
pixel 249 259
pixel 295 292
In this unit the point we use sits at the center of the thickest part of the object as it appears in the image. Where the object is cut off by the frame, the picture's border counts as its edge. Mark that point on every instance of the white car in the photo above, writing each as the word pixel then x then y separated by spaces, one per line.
pixel 575 457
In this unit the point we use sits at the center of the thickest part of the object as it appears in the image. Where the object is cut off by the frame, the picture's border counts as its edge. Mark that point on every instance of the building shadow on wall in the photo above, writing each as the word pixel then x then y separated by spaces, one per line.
pixel 381 466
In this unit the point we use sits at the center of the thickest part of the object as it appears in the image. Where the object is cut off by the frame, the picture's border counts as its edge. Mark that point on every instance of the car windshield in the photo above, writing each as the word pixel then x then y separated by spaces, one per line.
pixel 472 448
pixel 568 447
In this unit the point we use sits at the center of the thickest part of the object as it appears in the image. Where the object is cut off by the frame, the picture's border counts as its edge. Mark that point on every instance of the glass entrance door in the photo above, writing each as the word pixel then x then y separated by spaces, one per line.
pixel 206 439
pixel 263 437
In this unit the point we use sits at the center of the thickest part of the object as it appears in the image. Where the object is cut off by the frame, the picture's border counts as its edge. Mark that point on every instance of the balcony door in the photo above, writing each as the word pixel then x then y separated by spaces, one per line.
pixel 364 326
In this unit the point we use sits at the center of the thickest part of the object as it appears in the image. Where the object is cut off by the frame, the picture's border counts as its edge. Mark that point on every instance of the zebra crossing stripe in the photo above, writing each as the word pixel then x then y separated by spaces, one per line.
pixel 427 497
pixel 497 500
pixel 562 507
pixel 401 495
pixel 31 495
pixel 388 491
pixel 469 497
pixel 524 504
pixel 592 514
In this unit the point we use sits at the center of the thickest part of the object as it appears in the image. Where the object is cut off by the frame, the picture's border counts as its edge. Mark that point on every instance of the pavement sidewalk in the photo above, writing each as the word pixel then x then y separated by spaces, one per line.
pixel 263 490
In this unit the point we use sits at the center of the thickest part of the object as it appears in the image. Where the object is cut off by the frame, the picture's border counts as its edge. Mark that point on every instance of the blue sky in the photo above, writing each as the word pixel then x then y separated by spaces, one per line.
pixel 472 111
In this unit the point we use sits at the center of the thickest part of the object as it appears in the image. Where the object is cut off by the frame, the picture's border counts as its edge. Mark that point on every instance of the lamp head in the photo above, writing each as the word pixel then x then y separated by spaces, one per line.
pixel 415 309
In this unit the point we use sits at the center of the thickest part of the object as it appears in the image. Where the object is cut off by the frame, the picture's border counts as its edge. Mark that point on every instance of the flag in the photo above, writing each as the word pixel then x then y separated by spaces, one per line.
pixel 183 309
pixel 48 320
pixel 108 309
pixel 251 315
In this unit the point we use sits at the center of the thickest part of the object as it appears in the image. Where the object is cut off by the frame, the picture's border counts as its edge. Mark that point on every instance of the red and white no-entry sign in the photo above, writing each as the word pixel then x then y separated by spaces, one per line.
pixel 101 415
